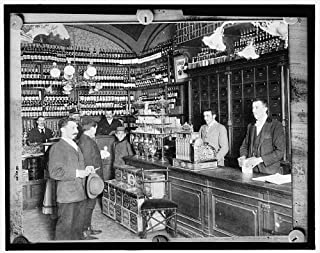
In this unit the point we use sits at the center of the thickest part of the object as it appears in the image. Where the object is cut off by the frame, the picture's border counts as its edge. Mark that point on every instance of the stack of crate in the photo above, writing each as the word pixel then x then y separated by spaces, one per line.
pixel 124 195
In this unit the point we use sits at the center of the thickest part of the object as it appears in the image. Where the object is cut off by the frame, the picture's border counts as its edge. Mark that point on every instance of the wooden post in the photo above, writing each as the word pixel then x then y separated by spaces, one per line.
pixel 190 110
pixel 299 121
pixel 231 151
pixel 16 201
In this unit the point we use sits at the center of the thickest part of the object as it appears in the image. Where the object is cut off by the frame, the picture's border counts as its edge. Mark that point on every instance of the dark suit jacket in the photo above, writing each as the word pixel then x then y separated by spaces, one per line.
pixel 36 136
pixel 104 128
pixel 271 146
pixel 63 162
pixel 91 153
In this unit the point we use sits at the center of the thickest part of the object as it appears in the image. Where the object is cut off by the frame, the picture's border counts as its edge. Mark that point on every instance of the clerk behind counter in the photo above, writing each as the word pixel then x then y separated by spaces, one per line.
pixel 215 135
pixel 264 144
pixel 40 134
pixel 108 125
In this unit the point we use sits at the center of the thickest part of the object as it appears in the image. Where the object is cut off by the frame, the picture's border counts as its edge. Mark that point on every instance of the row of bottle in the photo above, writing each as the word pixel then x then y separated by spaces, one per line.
pixel 101 111
pixel 152 82
pixel 46 52
pixel 99 98
pixel 102 105
pixel 49 49
pixel 165 48
pixel 191 30
pixel 262 47
pixel 30 98
pixel 56 84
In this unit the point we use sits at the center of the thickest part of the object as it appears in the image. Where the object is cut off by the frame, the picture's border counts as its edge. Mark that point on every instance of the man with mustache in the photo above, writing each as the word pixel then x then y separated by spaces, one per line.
pixel 108 124
pixel 264 145
pixel 67 167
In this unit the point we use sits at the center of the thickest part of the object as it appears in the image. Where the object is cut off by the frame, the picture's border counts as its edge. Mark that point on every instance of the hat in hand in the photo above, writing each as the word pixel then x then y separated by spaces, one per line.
pixel 94 185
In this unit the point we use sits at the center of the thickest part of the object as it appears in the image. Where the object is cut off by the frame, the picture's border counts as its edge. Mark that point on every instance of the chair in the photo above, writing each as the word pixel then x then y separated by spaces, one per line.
pixel 157 209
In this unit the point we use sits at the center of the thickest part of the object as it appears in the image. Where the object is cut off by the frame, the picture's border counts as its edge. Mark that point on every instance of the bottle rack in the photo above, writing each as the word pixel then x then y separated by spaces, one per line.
pixel 156 71
pixel 97 103
pixel 192 30
pixel 263 42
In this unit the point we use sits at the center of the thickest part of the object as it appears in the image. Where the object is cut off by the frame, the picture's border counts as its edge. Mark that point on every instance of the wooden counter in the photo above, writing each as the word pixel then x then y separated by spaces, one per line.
pixel 224 202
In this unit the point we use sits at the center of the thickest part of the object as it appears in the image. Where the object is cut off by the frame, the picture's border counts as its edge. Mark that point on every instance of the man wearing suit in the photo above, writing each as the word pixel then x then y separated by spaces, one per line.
pixel 91 154
pixel 107 125
pixel 40 133
pixel 215 135
pixel 264 144
pixel 66 166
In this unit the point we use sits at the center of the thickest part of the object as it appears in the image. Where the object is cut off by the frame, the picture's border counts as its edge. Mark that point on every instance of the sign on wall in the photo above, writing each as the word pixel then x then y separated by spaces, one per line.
pixel 179 64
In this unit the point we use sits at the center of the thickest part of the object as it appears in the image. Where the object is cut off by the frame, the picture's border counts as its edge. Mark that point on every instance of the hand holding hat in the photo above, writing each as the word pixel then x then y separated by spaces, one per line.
pixel 90 169
pixel 94 185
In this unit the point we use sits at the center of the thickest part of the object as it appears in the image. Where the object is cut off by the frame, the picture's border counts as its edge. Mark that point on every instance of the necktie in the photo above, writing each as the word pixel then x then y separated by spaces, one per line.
pixel 43 136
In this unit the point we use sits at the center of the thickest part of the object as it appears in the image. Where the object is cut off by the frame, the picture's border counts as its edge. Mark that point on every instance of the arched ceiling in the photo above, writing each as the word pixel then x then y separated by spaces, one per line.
pixel 131 37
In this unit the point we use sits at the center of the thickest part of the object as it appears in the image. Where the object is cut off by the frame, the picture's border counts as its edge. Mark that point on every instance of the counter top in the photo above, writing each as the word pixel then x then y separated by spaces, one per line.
pixel 229 174
pixel 25 156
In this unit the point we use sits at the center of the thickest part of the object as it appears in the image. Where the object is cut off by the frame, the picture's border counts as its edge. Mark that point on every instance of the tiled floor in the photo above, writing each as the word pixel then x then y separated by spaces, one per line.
pixel 38 227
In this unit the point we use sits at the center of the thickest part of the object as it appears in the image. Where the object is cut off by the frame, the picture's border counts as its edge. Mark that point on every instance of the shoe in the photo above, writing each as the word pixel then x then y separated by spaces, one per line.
pixel 94 231
pixel 89 237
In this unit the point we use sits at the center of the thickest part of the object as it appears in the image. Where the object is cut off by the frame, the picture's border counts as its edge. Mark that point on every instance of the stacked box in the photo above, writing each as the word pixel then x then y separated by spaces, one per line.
pixel 112 193
pixel 118 173
pixel 105 206
pixel 126 200
pixel 119 193
pixel 112 210
pixel 105 193
pixel 125 217
pixel 118 213
pixel 123 196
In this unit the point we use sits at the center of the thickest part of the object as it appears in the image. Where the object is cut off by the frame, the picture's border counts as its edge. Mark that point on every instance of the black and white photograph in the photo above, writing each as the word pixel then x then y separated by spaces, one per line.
pixel 147 127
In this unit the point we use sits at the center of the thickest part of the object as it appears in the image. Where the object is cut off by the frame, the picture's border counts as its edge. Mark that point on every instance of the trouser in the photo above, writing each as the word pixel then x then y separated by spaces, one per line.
pixel 90 204
pixel 70 220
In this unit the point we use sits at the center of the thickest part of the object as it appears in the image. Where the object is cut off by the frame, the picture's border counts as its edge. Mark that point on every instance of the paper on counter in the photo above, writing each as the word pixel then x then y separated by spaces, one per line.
pixel 275 179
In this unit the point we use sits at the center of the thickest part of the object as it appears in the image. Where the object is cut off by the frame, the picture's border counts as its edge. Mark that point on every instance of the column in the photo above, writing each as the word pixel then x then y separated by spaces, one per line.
pixel 230 127
pixel 299 121
pixel 16 201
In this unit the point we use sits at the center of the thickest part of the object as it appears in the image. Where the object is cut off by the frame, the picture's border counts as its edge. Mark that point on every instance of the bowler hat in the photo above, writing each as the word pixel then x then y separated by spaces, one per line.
pixel 94 185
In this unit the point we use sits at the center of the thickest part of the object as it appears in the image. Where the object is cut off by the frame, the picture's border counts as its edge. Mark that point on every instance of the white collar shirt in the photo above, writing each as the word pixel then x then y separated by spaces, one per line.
pixel 72 143
pixel 259 124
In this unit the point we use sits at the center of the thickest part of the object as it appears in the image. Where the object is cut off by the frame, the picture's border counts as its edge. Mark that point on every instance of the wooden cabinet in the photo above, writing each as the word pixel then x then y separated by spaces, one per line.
pixel 33 193
pixel 189 192
pixel 33 182
pixel 231 90
pixel 224 202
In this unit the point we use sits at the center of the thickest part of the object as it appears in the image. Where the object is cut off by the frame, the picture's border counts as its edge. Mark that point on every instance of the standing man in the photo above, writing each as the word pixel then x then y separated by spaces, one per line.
pixel 66 166
pixel 75 115
pixel 91 154
pixel 215 135
pixel 264 144
pixel 40 133
pixel 107 125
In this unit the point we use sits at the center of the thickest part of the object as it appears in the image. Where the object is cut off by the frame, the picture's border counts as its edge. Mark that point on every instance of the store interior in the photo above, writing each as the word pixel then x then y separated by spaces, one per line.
pixel 158 70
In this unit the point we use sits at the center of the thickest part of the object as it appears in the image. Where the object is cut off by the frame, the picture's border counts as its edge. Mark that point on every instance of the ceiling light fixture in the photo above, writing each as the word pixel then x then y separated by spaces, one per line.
pixel 274 27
